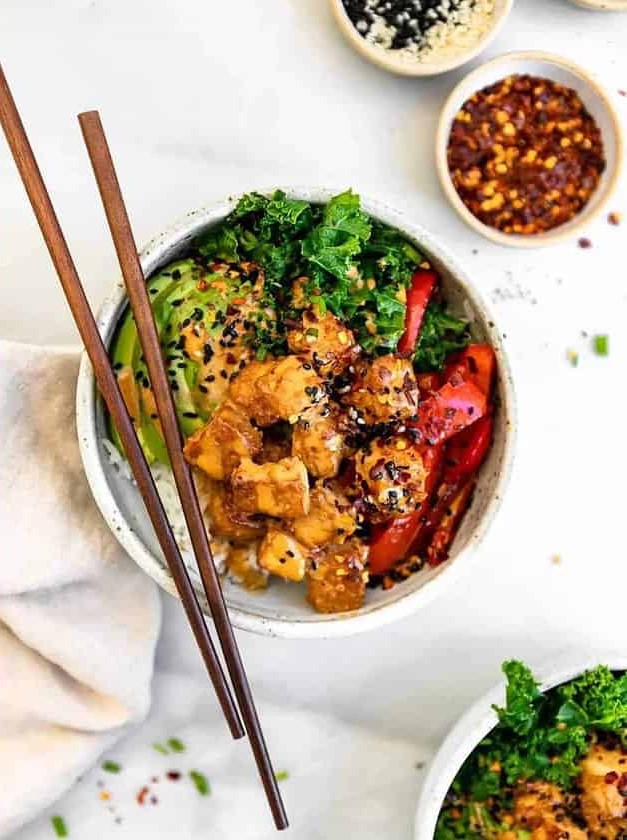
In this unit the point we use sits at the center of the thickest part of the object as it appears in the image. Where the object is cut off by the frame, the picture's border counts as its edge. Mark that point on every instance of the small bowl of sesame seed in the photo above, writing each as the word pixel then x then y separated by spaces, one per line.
pixel 528 149
pixel 420 37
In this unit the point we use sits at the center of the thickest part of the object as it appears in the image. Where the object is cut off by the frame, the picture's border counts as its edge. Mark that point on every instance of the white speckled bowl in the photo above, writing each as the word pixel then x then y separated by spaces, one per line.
pixel 282 610
pixel 602 5
pixel 592 95
pixel 395 62
pixel 475 724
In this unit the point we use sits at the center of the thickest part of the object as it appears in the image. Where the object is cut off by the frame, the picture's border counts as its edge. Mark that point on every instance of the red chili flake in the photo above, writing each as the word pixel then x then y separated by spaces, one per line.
pixel 141 795
pixel 584 242
pixel 154 780
pixel 623 92
pixel 614 218
pixel 611 777
pixel 622 784
pixel 173 775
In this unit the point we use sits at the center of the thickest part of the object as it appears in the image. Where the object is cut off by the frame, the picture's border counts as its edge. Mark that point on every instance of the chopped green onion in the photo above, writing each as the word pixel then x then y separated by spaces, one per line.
pixel 201 782
pixel 60 828
pixel 176 745
pixel 161 749
pixel 281 775
pixel 601 345
pixel 111 766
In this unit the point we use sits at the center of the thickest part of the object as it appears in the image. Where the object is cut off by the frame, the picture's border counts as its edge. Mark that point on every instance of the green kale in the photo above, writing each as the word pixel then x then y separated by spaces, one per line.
pixel 440 335
pixel 339 237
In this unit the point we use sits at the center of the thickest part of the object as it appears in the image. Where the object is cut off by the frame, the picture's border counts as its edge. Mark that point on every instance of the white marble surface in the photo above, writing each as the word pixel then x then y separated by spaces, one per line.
pixel 202 98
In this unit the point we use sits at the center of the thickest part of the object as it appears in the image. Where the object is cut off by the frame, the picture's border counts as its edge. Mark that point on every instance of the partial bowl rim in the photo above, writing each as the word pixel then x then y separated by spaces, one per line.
pixel 602 5
pixel 400 67
pixel 478 721
pixel 327 626
pixel 467 85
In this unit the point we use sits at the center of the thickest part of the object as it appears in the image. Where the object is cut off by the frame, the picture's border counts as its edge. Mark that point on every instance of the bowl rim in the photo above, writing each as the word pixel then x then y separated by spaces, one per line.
pixel 393 64
pixel 327 626
pixel 468 85
pixel 478 720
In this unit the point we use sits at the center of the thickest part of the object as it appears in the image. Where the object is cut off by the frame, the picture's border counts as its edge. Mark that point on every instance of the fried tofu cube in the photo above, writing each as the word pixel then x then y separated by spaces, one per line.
pixel 540 808
pixel 385 390
pixel 603 783
pixel 241 562
pixel 324 341
pixel 319 443
pixel 391 475
pixel 277 390
pixel 337 577
pixel 282 555
pixel 227 520
pixel 244 391
pixel 330 519
pixel 219 446
pixel 277 488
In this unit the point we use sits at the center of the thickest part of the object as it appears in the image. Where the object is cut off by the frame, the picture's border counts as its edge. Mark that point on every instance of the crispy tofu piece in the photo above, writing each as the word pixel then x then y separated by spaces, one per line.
pixel 277 390
pixel 385 390
pixel 227 520
pixel 318 442
pixel 324 341
pixel 244 391
pixel 541 809
pixel 282 555
pixel 278 488
pixel 221 444
pixel 337 577
pixel 391 476
pixel 603 784
pixel 241 562
pixel 330 519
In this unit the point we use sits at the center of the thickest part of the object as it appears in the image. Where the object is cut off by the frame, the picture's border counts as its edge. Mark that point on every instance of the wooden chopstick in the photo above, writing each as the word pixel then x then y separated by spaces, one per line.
pixel 108 385
pixel 122 234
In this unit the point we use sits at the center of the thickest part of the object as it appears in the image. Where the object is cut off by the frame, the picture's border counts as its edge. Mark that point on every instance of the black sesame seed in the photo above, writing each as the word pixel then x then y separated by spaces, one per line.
pixel 191 414
pixel 177 302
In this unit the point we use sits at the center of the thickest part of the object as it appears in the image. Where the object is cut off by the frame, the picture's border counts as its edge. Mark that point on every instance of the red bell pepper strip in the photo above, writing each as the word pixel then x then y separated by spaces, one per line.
pixel 456 507
pixel 476 364
pixel 466 451
pixel 422 286
pixel 393 540
pixel 446 412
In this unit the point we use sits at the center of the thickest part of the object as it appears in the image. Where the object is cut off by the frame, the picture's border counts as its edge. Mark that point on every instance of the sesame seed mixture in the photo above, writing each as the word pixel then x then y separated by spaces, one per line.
pixel 525 155
pixel 416 29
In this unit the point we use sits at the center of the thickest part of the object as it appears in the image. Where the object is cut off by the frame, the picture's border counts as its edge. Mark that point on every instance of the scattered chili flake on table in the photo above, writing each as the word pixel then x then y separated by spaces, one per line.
pixel 556 559
pixel 141 795
pixel 584 242
pixel 59 826
pixel 614 218
pixel 525 155
pixel 173 775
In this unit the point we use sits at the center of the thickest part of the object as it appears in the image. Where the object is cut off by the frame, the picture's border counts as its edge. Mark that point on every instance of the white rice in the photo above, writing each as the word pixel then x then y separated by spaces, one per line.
pixel 166 487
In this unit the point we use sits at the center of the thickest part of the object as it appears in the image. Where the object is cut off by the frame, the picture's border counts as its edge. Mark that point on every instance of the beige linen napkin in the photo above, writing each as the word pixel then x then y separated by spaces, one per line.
pixel 78 621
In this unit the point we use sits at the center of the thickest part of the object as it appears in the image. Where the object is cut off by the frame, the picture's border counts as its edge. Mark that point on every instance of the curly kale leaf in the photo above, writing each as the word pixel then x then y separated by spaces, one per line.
pixel 440 335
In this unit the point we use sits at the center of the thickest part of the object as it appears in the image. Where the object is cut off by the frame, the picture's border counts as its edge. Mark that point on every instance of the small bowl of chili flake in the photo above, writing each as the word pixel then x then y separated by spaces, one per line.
pixel 528 149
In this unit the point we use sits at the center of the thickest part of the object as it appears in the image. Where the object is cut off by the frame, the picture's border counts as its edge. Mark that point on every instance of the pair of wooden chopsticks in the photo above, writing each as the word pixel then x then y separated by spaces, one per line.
pixel 121 232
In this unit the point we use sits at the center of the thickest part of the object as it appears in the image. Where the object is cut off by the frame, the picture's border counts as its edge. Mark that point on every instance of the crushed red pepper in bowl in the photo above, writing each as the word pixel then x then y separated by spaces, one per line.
pixel 524 155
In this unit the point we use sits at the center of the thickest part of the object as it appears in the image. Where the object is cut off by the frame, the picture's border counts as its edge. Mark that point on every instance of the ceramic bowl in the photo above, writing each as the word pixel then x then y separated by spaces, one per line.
pixel 282 610
pixel 474 725
pixel 593 97
pixel 396 62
